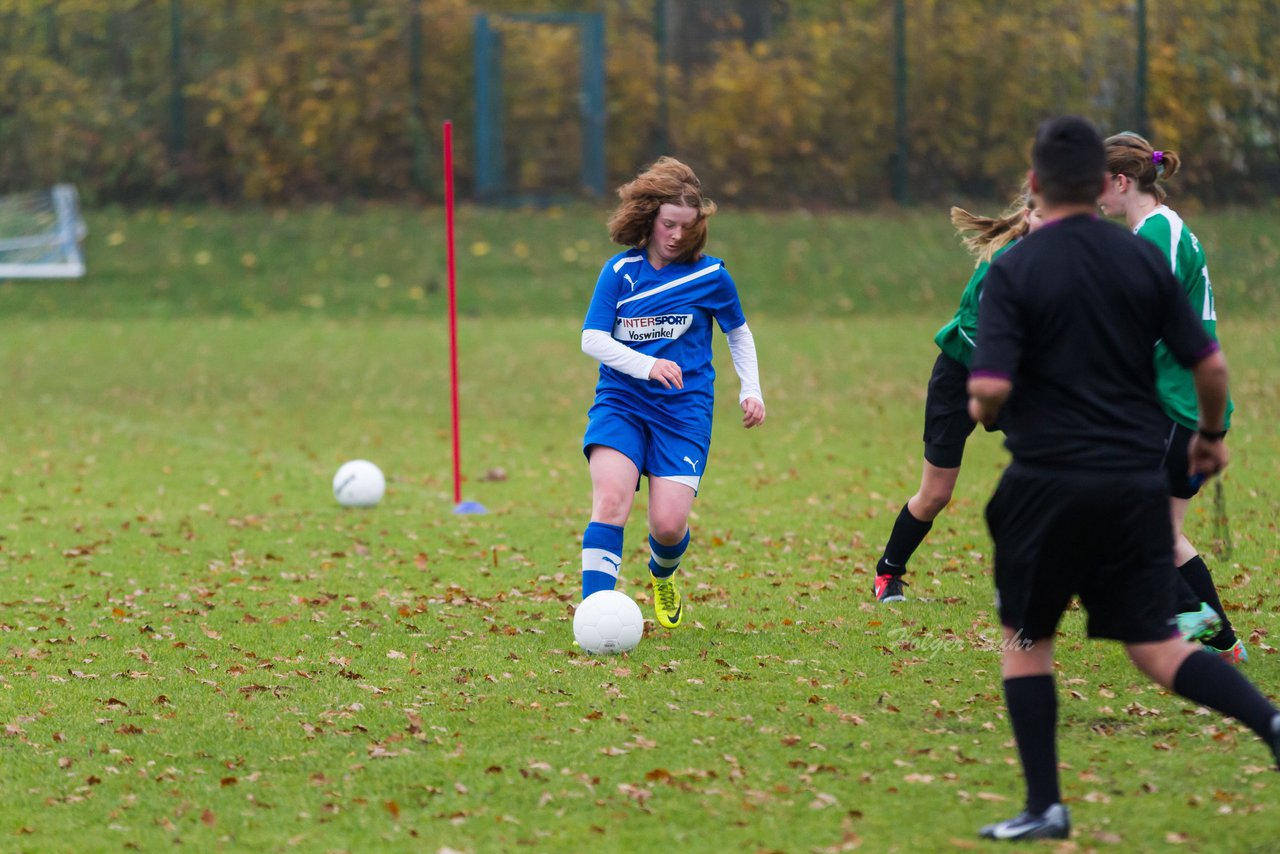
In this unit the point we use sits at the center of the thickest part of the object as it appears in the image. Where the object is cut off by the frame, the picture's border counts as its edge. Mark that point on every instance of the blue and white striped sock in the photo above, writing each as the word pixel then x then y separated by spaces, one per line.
pixel 664 560
pixel 601 557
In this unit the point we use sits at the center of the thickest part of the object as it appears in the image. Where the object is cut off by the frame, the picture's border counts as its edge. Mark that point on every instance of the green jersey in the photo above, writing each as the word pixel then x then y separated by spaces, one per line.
pixel 1170 234
pixel 957 337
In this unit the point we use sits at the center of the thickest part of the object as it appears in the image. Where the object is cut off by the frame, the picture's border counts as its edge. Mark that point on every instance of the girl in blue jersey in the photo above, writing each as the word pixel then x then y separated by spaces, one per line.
pixel 947 424
pixel 650 325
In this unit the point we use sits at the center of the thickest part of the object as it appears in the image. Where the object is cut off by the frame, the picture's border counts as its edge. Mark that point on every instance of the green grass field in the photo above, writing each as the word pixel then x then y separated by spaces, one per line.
pixel 202 648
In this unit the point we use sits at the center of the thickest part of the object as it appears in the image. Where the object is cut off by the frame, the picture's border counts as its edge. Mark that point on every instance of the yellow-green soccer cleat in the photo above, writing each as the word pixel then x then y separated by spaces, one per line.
pixel 666 602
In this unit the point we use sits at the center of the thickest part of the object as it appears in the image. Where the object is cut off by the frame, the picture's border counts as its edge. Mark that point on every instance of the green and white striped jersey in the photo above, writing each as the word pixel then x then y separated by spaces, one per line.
pixel 1170 234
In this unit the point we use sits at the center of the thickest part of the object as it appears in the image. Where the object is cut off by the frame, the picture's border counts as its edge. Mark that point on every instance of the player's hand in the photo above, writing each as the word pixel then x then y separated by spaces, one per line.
pixel 1206 458
pixel 982 413
pixel 752 412
pixel 668 373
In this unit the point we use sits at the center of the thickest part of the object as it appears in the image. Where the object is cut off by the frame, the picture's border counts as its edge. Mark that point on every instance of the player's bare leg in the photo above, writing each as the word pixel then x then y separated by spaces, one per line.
pixel 670 503
pixel 937 485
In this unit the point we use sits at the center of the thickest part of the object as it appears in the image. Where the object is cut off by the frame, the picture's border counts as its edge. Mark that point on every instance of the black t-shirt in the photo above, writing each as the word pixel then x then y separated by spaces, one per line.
pixel 1071 318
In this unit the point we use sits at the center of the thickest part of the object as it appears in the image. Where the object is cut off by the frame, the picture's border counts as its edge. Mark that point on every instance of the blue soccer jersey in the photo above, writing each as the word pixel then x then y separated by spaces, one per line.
pixel 665 314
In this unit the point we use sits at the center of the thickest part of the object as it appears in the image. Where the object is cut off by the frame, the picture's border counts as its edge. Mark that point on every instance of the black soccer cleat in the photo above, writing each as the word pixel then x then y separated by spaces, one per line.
pixel 1053 823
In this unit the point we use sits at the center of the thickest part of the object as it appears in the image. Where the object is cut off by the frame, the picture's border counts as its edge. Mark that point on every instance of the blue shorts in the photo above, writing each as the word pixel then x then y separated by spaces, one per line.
pixel 657 449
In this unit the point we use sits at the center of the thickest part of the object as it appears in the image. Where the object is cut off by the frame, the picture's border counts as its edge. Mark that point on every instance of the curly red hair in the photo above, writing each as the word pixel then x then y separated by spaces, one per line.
pixel 666 182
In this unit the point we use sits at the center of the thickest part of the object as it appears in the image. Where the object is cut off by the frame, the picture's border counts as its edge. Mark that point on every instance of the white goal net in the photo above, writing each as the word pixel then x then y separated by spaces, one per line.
pixel 40 234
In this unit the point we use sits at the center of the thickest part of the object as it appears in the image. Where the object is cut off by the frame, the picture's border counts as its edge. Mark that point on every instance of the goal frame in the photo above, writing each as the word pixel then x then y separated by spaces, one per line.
pixel 62 242
pixel 490 166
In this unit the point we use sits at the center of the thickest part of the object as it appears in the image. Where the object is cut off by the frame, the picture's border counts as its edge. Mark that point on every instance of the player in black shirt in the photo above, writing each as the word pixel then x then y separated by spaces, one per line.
pixel 1066 326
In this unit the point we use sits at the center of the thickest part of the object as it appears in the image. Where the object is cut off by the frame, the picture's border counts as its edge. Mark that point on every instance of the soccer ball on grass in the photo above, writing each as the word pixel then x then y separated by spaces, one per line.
pixel 359 483
pixel 608 621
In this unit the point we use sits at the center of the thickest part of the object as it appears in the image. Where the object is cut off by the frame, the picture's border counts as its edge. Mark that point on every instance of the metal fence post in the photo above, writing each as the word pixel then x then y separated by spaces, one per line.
pixel 900 101
pixel 593 106
pixel 662 134
pixel 177 104
pixel 490 152
pixel 1140 72
pixel 417 111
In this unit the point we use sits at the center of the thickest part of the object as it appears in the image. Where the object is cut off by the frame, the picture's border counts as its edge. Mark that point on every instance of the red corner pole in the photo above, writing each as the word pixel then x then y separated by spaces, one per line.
pixel 453 311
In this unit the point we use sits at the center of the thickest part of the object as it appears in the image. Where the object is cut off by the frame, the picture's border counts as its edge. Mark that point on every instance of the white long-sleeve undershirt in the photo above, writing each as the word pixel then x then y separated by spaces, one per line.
pixel 602 347
pixel 742 348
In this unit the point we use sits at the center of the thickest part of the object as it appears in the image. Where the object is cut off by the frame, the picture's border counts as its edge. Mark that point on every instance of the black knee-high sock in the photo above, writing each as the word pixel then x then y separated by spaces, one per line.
pixel 1188 599
pixel 908 532
pixel 1033 712
pixel 1206 679
pixel 1199 579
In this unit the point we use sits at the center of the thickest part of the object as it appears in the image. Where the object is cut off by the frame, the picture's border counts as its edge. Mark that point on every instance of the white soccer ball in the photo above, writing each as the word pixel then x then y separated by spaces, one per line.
pixel 359 483
pixel 608 621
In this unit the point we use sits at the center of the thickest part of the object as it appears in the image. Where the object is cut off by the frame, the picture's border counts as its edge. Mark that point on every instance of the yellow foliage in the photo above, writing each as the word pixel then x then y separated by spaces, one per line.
pixel 312 98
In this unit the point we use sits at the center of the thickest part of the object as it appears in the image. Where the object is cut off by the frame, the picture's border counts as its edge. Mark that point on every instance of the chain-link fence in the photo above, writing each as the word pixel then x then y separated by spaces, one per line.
pixel 822 103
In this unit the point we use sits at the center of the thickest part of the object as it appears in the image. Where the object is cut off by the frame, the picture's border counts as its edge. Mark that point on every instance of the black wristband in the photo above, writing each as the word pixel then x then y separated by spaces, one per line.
pixel 1212 435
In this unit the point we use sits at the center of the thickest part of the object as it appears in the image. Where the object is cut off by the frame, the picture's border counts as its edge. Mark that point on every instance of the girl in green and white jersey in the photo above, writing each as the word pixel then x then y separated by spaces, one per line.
pixel 947 423
pixel 1134 192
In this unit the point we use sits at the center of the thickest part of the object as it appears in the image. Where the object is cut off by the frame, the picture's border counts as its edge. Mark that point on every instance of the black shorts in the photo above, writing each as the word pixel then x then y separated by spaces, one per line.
pixel 1177 438
pixel 1103 536
pixel 947 424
